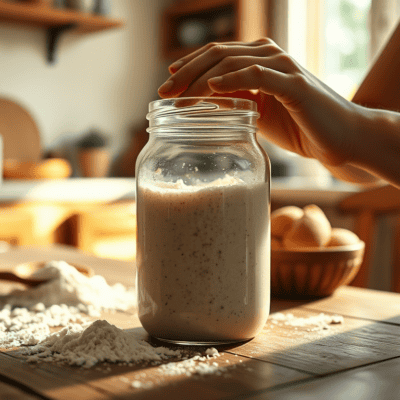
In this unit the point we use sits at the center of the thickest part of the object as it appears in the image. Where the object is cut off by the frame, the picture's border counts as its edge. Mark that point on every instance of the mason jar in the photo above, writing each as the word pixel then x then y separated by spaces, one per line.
pixel 203 222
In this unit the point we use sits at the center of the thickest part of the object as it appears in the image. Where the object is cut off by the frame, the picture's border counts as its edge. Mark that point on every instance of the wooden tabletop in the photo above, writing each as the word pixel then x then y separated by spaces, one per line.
pixel 358 359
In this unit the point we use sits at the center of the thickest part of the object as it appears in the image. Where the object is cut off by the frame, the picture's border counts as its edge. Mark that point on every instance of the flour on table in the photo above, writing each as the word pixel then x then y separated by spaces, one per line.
pixel 96 343
pixel 27 315
pixel 318 322
pixel 103 342
pixel 68 286
pixel 65 301
pixel 23 327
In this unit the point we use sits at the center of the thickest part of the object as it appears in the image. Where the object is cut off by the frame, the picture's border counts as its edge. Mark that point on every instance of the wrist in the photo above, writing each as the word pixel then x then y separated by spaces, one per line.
pixel 378 149
pixel 366 122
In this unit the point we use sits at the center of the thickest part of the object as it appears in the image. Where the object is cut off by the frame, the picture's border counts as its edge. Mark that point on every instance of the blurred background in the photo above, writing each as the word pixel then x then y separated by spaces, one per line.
pixel 76 77
pixel 102 79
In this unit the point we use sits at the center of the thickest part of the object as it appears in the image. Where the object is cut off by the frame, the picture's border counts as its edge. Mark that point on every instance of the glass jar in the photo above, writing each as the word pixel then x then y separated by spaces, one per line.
pixel 203 222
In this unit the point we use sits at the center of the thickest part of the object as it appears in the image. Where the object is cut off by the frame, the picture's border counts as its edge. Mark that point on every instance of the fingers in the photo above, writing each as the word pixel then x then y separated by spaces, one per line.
pixel 197 67
pixel 267 80
pixel 173 68
pixel 200 87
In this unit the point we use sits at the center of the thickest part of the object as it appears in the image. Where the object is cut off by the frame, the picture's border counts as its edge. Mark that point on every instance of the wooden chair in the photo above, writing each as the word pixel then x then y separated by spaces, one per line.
pixel 16 228
pixel 367 207
pixel 396 259
pixel 108 230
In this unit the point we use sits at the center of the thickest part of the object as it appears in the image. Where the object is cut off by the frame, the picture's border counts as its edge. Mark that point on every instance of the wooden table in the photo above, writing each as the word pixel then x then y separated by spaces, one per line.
pixel 359 359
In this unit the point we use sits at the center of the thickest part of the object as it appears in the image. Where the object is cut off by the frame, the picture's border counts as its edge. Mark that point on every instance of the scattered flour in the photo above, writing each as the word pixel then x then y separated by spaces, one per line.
pixel 23 327
pixel 318 322
pixel 27 315
pixel 195 365
pixel 142 385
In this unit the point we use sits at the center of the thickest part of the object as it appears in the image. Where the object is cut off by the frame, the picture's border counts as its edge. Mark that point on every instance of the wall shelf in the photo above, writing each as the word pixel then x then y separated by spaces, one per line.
pixel 222 20
pixel 55 21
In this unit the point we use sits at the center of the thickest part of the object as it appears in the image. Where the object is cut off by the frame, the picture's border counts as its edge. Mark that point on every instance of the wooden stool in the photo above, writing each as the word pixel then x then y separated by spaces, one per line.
pixel 366 207
pixel 107 231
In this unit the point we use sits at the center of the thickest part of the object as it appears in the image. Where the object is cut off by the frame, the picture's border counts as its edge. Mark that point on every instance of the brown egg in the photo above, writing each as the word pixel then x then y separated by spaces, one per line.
pixel 342 237
pixel 276 243
pixel 283 218
pixel 311 230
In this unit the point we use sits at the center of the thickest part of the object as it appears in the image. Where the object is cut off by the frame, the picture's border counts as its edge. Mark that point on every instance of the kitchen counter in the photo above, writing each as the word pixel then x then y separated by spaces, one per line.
pixel 112 189
pixel 65 190
pixel 358 358
pixel 307 190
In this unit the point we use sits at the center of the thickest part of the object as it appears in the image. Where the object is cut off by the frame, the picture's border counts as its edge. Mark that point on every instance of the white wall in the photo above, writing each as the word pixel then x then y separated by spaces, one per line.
pixel 103 80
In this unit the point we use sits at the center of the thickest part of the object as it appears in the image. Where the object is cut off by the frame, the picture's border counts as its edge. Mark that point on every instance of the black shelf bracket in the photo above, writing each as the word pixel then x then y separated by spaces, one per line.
pixel 53 36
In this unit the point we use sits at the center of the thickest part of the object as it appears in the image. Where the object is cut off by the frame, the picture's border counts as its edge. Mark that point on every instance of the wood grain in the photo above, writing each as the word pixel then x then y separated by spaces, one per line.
pixel 355 342
pixel 48 380
pixel 14 393
pixel 377 381
pixel 361 303
pixel 282 362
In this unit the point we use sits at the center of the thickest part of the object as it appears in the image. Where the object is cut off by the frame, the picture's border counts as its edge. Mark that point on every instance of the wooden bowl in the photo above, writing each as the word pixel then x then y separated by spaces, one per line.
pixel 307 273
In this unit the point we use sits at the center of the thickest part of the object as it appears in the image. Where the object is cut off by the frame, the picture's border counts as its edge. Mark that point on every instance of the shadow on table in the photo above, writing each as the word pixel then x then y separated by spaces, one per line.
pixel 281 360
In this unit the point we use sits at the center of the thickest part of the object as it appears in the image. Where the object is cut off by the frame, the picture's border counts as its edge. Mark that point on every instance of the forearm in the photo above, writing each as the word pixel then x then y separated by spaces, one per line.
pixel 378 144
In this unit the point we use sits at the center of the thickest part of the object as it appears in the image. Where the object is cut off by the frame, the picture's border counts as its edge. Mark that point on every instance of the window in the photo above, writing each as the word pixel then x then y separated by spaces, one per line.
pixel 337 39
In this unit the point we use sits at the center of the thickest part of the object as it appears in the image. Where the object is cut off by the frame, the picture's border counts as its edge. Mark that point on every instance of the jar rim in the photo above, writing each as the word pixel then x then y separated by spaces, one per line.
pixel 179 103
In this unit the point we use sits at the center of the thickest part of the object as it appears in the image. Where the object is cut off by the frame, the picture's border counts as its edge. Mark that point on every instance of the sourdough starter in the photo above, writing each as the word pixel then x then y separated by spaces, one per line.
pixel 203 260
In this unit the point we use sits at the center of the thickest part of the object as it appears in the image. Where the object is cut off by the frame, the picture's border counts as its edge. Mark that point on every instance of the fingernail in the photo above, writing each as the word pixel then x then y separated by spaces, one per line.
pixel 167 86
pixel 215 81
pixel 176 65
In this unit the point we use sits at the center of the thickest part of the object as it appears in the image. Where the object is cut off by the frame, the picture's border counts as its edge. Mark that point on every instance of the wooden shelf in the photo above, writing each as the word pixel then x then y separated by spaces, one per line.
pixel 47 17
pixel 191 7
pixel 246 20
pixel 55 20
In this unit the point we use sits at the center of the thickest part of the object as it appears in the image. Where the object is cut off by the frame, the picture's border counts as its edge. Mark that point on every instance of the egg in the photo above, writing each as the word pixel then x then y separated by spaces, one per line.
pixel 312 230
pixel 283 218
pixel 342 237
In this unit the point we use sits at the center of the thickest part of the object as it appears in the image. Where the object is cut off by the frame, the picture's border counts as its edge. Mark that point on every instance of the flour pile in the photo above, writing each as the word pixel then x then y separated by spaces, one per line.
pixel 103 342
pixel 27 315
pixel 98 342
pixel 68 286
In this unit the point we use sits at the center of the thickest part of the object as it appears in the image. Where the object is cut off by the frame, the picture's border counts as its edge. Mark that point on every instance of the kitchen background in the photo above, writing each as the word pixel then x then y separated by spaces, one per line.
pixel 101 83
pixel 104 81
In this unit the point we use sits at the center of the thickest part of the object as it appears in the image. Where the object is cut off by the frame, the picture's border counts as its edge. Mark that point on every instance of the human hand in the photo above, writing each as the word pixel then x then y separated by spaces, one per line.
pixel 298 111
